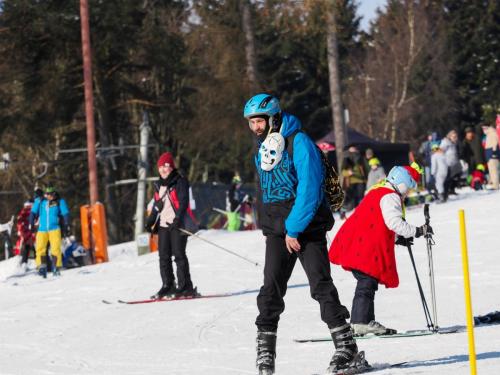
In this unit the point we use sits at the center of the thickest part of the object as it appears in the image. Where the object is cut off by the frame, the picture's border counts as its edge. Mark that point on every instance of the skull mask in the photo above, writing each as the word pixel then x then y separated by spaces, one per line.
pixel 271 151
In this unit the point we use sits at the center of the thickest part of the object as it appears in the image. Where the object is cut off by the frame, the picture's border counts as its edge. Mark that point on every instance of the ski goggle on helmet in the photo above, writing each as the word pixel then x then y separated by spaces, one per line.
pixel 264 105
pixel 405 178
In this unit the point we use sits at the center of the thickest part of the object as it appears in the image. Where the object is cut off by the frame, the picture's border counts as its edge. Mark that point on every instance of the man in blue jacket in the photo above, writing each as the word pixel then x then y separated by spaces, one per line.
pixel 49 210
pixel 295 218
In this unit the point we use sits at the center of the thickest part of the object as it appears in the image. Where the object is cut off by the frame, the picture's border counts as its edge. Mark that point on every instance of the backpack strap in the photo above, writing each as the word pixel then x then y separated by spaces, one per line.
pixel 289 143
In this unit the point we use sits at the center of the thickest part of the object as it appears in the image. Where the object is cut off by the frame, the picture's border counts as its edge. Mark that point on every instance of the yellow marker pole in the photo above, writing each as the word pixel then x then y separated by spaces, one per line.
pixel 468 304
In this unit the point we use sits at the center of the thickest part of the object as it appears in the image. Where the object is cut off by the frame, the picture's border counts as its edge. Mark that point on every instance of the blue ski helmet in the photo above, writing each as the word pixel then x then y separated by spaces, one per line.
pixel 400 175
pixel 261 104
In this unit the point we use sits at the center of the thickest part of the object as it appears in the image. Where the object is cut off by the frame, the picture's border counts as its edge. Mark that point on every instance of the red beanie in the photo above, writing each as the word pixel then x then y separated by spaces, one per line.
pixel 166 158
pixel 413 173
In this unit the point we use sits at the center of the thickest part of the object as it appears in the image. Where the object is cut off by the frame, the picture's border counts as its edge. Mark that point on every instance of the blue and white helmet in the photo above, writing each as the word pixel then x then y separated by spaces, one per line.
pixel 261 104
pixel 401 179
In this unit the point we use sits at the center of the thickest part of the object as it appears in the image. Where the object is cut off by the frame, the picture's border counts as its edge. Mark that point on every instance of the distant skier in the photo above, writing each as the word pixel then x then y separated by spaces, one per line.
pixel 376 174
pixel 5 232
pixel 439 170
pixel 364 245
pixel 25 237
pixel 73 254
pixel 51 210
pixel 295 218
pixel 234 195
pixel 170 213
pixel 477 178
pixel 492 154
pixel 234 202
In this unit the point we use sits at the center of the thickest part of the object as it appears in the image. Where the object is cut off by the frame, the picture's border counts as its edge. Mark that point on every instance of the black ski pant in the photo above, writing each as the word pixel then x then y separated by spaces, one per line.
pixel 278 269
pixel 171 242
pixel 25 252
pixel 363 304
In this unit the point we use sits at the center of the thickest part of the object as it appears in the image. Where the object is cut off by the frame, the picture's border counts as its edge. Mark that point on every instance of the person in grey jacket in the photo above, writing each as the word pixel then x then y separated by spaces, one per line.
pixel 449 145
pixel 439 170
pixel 376 174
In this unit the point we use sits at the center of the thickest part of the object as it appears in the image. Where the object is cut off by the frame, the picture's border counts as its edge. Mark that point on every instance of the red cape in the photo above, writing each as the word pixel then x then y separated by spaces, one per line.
pixel 364 242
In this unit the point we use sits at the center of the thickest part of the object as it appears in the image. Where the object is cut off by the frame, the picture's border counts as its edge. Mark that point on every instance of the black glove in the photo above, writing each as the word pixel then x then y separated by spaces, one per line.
pixel 158 205
pixel 423 230
pixel 150 222
pixel 404 241
pixel 175 224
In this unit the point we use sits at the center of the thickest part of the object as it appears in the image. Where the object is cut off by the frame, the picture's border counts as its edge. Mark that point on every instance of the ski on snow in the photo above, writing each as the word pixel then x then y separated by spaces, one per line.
pixel 170 299
pixel 199 296
pixel 359 365
pixel 411 333
pixel 367 368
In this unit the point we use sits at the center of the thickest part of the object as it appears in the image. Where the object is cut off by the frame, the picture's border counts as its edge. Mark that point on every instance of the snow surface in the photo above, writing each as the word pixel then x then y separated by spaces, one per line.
pixel 60 325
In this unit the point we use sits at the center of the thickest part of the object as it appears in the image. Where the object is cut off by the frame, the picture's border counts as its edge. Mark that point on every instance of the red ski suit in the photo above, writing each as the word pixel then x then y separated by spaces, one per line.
pixel 365 243
pixel 24 235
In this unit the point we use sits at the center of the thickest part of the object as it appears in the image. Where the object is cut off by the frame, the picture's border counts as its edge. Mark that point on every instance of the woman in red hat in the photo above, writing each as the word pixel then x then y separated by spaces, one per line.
pixel 170 216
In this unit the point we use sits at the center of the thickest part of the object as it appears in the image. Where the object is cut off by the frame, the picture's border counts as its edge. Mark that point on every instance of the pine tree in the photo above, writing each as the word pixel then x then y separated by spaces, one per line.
pixel 291 39
pixel 474 30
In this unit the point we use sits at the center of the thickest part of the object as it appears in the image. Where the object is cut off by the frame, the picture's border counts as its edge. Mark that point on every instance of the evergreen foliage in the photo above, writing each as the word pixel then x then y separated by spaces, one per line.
pixel 183 64
pixel 473 37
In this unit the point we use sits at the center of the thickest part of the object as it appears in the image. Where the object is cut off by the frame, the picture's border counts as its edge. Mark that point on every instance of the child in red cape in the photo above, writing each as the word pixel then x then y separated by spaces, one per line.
pixel 364 245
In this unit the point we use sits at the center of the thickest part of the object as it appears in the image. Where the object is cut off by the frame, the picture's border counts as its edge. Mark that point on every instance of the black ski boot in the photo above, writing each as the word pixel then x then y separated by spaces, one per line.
pixel 346 359
pixel 266 352
pixel 165 291
pixel 42 271
pixel 188 292
pixel 56 271
pixel 42 268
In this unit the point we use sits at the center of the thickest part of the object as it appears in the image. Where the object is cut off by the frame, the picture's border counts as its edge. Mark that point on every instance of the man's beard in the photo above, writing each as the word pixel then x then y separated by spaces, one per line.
pixel 261 137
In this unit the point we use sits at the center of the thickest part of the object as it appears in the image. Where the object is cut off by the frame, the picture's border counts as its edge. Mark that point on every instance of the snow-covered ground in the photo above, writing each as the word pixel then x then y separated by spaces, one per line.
pixel 60 325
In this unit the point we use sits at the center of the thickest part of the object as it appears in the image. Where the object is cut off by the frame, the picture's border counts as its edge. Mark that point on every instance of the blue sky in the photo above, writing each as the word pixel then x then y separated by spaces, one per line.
pixel 367 8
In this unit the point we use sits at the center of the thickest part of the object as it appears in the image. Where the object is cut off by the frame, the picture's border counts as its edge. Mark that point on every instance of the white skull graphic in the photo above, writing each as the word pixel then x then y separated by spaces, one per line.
pixel 271 151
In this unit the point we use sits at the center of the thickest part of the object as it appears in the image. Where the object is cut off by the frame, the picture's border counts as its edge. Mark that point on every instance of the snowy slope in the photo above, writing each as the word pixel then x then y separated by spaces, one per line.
pixel 60 326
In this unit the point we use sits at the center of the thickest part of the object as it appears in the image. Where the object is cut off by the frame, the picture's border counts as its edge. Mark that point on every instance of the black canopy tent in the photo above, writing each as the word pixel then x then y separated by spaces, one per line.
pixel 389 154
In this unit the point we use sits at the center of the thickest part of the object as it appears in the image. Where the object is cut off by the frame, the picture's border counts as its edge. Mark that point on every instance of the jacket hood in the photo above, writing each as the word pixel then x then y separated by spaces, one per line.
pixel 289 124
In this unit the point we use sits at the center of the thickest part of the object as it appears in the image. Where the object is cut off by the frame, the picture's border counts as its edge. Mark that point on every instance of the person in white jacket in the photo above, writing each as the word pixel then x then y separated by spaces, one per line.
pixel 439 170
pixel 365 243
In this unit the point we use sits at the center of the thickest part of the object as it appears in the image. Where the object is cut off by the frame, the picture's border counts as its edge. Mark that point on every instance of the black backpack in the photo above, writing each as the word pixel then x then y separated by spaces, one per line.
pixel 332 187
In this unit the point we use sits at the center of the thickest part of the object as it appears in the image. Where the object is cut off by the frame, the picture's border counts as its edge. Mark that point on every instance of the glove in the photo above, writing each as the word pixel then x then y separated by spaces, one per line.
pixel 404 241
pixel 150 222
pixel 158 205
pixel 175 224
pixel 423 231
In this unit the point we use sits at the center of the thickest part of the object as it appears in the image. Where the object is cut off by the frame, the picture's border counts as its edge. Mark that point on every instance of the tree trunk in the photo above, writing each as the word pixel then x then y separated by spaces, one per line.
pixel 252 75
pixel 334 80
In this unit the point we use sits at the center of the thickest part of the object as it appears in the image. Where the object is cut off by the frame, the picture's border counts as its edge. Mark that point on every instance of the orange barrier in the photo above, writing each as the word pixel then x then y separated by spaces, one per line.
pixel 85 224
pixel 99 233
pixel 153 243
pixel 94 232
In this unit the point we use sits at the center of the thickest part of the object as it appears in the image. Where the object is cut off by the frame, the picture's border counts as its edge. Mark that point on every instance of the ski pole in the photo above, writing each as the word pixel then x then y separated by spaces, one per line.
pixel 427 314
pixel 218 246
pixel 430 242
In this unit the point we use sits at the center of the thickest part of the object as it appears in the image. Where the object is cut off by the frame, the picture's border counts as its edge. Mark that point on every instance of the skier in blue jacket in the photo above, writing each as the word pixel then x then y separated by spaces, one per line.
pixel 49 210
pixel 295 218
